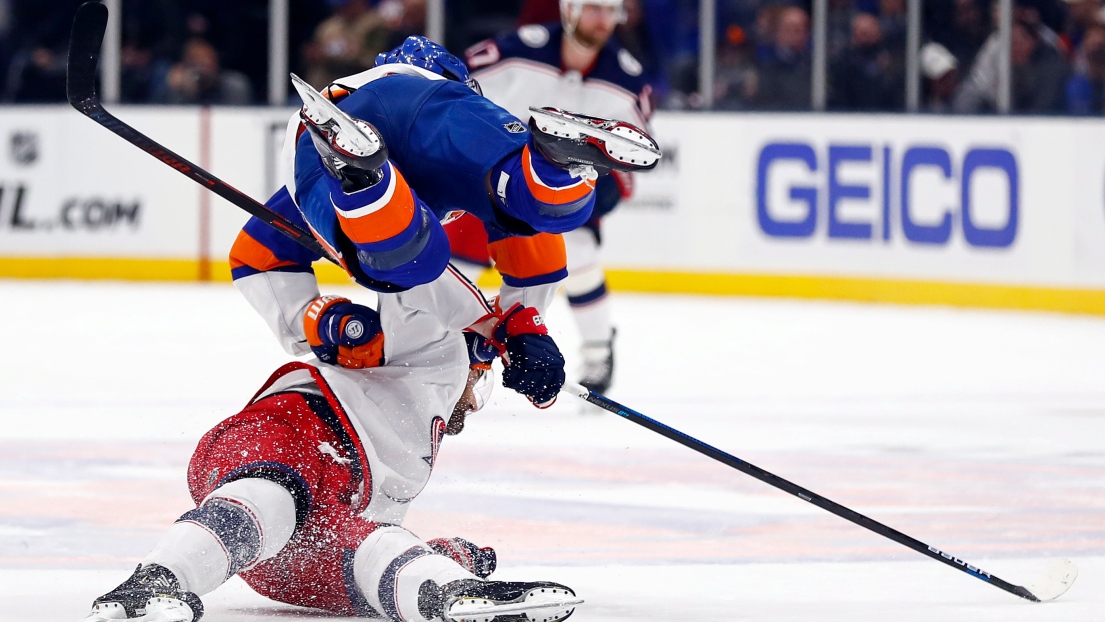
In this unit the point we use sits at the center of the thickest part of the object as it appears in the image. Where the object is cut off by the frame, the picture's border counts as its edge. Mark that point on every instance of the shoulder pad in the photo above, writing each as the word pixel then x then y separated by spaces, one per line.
pixel 629 64
pixel 534 35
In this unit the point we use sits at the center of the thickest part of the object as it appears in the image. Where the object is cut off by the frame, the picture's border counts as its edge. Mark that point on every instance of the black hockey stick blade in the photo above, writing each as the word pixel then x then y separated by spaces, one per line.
pixel 1056 579
pixel 85 42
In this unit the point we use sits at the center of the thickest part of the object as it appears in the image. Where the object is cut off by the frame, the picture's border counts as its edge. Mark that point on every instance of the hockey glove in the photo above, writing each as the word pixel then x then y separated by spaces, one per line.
pixel 479 561
pixel 532 364
pixel 480 350
pixel 343 333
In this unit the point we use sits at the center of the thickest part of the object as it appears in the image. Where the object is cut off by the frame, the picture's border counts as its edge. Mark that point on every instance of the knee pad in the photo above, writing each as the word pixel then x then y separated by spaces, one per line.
pixel 256 514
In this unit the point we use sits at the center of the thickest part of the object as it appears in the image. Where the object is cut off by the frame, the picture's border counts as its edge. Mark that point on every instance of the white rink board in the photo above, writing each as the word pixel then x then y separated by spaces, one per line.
pixel 87 193
pixel 705 200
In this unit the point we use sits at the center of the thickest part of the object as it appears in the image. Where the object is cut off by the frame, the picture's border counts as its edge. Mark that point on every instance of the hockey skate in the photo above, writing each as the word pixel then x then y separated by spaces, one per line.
pixel 598 365
pixel 151 594
pixel 497 601
pixel 569 139
pixel 351 149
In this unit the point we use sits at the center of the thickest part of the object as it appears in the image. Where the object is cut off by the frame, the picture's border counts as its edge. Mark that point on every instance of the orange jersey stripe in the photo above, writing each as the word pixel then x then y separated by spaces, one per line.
pixel 382 219
pixel 249 252
pixel 550 195
pixel 524 258
pixel 335 93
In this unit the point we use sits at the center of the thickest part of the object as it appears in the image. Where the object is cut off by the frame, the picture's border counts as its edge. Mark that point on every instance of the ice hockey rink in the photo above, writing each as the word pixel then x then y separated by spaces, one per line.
pixel 979 432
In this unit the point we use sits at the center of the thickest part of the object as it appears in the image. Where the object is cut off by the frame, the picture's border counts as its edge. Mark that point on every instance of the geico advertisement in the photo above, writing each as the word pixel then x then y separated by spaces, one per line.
pixel 70 187
pixel 971 199
pixel 925 194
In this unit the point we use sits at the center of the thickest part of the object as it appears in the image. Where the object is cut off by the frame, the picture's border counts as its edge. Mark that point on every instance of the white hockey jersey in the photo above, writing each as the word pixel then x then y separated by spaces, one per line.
pixel 523 69
pixel 398 410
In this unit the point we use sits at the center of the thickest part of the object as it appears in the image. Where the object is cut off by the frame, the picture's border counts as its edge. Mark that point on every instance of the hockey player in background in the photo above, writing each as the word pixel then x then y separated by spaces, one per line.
pixel 412 142
pixel 303 493
pixel 577 65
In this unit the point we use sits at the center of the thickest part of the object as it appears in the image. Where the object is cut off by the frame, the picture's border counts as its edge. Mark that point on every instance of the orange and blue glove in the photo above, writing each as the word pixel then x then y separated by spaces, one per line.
pixel 343 333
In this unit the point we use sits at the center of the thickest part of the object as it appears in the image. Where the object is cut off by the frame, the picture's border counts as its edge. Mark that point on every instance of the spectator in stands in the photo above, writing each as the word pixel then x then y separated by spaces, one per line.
pixel 866 76
pixel 345 43
pixel 736 81
pixel 1086 88
pixel 893 22
pixel 979 92
pixel 939 68
pixel 39 38
pixel 199 79
pixel 1038 52
pixel 969 30
pixel 1081 16
pixel 152 34
pixel 784 73
pixel 403 19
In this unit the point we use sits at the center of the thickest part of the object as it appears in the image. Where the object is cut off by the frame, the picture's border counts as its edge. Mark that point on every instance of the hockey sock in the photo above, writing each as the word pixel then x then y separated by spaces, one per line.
pixel 593 319
pixel 586 287
pixel 390 566
pixel 239 525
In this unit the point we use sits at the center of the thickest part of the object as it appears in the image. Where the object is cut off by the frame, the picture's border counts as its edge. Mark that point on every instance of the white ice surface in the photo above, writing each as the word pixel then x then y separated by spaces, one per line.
pixel 981 433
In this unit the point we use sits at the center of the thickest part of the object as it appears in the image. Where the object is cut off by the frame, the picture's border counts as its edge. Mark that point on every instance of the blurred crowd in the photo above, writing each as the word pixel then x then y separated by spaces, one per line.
pixel 1057 56
pixel 216 51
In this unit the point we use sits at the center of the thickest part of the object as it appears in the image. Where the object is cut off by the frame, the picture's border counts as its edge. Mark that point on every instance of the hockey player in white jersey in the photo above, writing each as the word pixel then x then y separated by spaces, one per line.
pixel 303 493
pixel 577 65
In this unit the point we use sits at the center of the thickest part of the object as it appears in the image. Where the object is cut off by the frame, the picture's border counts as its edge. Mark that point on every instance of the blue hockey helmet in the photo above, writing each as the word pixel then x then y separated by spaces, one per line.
pixel 419 51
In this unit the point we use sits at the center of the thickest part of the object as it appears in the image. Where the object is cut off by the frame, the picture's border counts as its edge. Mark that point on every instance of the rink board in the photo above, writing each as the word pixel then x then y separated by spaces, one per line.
pixel 965 211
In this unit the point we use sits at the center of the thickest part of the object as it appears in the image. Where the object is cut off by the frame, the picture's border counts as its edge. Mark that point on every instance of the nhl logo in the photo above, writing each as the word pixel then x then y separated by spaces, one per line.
pixel 515 127
pixel 24 148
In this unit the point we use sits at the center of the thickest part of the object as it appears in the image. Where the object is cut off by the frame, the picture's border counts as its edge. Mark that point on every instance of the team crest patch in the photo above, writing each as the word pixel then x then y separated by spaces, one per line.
pixel 629 64
pixel 515 127
pixel 534 35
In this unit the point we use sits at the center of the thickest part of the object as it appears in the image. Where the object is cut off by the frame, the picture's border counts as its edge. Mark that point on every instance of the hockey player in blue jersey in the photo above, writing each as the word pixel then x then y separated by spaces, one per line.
pixel 377 160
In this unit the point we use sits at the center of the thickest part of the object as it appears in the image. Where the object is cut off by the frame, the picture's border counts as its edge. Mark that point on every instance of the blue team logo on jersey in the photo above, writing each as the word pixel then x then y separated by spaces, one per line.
pixel 515 127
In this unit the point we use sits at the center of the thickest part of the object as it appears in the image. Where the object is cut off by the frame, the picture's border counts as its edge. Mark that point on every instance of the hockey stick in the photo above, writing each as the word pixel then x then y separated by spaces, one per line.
pixel 1057 577
pixel 85 42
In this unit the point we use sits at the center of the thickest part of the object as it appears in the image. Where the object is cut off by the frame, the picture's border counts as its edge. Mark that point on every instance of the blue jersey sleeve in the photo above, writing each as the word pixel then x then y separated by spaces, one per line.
pixel 261 248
